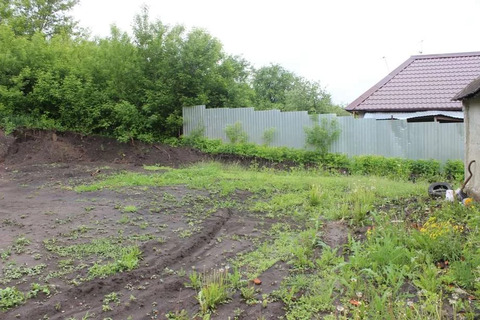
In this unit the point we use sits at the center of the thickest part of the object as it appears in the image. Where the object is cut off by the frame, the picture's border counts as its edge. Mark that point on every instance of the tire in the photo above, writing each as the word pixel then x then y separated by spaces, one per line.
pixel 439 189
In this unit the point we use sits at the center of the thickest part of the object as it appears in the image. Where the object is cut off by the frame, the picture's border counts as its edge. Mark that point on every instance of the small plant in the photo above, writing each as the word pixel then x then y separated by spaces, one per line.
pixel 321 136
pixel 268 136
pixel 235 133
pixel 195 135
pixel 235 279
pixel 10 297
pixel 195 280
pixel 111 297
pixel 178 315
pixel 314 198
pixel 36 288
pixel 19 244
pixel 124 219
pixel 106 308
pixel 214 290
pixel 248 294
pixel 130 209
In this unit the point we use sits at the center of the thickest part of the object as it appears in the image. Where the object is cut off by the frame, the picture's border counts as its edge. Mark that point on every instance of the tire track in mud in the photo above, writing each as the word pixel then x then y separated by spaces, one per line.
pixel 76 301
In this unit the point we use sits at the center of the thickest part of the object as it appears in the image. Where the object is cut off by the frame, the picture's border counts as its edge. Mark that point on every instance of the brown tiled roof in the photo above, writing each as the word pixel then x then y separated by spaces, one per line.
pixel 426 82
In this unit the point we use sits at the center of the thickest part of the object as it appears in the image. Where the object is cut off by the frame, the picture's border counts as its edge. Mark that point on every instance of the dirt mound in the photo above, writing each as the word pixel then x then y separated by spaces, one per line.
pixel 40 147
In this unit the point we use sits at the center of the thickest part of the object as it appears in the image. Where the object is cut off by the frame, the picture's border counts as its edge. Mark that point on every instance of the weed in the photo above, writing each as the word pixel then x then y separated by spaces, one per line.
pixel 124 219
pixel 268 136
pixel 177 315
pixel 106 308
pixel 36 288
pixel 19 244
pixel 321 136
pixel 235 133
pixel 235 278
pixel 10 297
pixel 111 297
pixel 195 280
pixel 315 197
pixel 214 290
pixel 130 209
pixel 248 294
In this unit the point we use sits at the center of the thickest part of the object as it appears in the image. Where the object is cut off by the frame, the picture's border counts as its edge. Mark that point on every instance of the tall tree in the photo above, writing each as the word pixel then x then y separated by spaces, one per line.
pixel 278 88
pixel 48 17
pixel 271 84
pixel 5 11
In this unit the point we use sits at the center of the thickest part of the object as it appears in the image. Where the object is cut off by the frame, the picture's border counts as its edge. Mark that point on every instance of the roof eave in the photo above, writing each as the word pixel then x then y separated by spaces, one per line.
pixel 353 106
pixel 407 109
pixel 470 91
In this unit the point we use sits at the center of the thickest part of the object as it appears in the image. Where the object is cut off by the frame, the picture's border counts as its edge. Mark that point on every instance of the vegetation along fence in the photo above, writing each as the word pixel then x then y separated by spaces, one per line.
pixel 389 138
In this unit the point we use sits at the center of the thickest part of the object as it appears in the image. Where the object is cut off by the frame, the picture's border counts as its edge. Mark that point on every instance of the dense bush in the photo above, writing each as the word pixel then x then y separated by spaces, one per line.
pixel 398 168
pixel 129 85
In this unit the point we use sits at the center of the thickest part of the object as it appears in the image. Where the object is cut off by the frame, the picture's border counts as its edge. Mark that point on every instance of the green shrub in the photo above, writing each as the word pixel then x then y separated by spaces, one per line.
pixel 195 135
pixel 454 170
pixel 425 168
pixel 235 133
pixel 268 136
pixel 397 168
pixel 321 136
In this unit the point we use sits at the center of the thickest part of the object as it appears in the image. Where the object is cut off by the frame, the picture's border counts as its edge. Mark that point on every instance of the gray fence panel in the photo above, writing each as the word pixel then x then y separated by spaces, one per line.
pixel 392 138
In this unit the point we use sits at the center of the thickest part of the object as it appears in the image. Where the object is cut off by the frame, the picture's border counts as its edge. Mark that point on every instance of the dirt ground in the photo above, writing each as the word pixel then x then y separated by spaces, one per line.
pixel 37 172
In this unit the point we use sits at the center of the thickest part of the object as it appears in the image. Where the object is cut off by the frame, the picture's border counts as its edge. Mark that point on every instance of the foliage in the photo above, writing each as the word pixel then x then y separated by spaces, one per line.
pixel 268 136
pixel 10 297
pixel 277 88
pixel 454 170
pixel 396 168
pixel 235 133
pixel 129 85
pixel 214 290
pixel 321 136
pixel 406 256
pixel 28 17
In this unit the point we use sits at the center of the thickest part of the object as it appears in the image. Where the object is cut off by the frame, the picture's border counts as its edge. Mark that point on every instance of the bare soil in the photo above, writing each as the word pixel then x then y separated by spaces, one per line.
pixel 37 170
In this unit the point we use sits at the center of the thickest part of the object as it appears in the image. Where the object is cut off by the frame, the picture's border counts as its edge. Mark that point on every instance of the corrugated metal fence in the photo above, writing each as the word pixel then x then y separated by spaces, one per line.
pixel 391 138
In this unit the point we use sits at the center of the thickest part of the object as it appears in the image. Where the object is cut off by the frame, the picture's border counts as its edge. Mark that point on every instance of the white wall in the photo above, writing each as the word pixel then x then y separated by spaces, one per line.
pixel 472 145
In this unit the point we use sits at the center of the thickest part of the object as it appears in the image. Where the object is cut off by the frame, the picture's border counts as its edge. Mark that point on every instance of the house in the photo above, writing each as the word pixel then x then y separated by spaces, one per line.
pixel 420 90
pixel 470 96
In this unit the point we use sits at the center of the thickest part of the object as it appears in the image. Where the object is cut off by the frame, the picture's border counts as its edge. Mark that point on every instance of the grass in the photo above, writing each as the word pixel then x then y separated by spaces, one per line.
pixel 406 257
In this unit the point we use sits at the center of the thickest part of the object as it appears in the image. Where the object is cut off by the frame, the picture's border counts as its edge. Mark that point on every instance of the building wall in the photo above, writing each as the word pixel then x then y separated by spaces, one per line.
pixel 472 145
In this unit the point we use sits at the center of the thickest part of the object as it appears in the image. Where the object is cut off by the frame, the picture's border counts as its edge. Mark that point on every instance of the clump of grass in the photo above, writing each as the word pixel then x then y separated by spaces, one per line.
pixel 127 261
pixel 314 198
pixel 214 289
pixel 248 294
pixel 130 209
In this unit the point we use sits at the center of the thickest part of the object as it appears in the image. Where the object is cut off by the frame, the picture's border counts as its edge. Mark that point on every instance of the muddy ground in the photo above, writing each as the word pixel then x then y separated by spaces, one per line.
pixel 37 173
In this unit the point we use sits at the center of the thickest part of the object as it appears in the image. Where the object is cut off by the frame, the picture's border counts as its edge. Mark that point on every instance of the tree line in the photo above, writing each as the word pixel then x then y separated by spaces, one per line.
pixel 54 75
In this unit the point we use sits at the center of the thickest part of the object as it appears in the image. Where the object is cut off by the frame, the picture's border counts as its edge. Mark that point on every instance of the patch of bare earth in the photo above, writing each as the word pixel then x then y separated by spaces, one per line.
pixel 37 170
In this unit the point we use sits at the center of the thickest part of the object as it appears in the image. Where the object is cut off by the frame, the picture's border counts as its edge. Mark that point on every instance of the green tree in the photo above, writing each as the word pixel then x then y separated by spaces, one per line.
pixel 48 17
pixel 271 84
pixel 321 136
pixel 277 88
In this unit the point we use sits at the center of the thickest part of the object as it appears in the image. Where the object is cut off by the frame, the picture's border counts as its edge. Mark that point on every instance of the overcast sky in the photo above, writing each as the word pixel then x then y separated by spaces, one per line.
pixel 347 45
